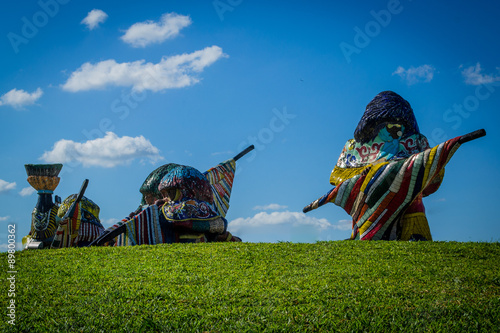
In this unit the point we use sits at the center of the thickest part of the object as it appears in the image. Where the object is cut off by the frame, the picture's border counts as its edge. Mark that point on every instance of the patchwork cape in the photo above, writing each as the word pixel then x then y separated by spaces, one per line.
pixel 378 194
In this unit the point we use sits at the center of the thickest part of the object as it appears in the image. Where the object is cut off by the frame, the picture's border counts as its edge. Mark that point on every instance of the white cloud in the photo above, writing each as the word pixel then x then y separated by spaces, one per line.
pixel 107 152
pixel 287 226
pixel 5 247
pixel 171 72
pixel 6 186
pixel 94 18
pixel 272 206
pixel 263 219
pixel 27 191
pixel 144 33
pixel 472 75
pixel 106 223
pixel 344 225
pixel 228 152
pixel 413 75
pixel 19 98
pixel 294 219
pixel 4 218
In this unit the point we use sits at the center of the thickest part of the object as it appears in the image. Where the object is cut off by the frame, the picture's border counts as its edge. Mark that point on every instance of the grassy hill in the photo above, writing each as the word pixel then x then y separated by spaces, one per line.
pixel 237 287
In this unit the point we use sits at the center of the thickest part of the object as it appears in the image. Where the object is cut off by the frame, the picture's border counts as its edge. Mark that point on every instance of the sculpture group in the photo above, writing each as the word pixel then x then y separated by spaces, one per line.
pixel 380 178
pixel 179 205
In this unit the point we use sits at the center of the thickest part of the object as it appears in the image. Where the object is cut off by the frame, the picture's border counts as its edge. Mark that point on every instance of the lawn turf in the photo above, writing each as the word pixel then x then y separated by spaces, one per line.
pixel 345 286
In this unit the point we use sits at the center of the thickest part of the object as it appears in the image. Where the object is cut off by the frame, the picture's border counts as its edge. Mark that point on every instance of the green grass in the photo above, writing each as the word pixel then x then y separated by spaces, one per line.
pixel 347 286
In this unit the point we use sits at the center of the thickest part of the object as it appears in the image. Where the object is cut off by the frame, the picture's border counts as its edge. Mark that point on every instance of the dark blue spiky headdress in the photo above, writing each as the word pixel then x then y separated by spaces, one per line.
pixel 385 108
pixel 191 183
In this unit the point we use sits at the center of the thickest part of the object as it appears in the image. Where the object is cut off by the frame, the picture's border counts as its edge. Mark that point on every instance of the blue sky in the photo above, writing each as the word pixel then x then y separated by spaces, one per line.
pixel 115 89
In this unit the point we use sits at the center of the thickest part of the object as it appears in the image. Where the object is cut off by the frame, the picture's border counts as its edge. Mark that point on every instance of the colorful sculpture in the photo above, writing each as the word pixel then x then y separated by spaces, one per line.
pixel 149 189
pixel 192 209
pixel 43 178
pixel 79 221
pixel 383 173
pixel 75 222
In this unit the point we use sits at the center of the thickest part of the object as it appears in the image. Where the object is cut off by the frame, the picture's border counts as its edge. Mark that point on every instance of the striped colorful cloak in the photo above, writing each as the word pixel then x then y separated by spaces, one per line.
pixel 379 195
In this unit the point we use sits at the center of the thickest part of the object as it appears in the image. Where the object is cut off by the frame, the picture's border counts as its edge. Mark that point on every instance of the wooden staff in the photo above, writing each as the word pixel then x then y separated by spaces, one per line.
pixel 244 152
pixel 71 210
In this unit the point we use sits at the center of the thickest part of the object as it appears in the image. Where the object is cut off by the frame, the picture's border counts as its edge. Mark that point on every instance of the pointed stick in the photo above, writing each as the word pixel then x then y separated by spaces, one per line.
pixel 244 152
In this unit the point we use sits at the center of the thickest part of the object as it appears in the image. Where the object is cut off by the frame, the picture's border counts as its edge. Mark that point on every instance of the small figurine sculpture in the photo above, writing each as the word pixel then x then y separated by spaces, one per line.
pixel 192 208
pixel 43 178
pixel 75 222
pixel 79 221
pixel 383 173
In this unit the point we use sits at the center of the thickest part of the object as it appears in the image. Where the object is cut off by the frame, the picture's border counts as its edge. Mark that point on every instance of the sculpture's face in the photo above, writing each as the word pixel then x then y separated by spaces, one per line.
pixel 395 130
pixel 150 198
pixel 171 193
pixel 88 217
pixel 149 188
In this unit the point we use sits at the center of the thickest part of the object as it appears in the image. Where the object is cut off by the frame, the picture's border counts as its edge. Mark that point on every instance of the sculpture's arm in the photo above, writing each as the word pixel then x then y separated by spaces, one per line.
pixel 110 233
pixel 436 182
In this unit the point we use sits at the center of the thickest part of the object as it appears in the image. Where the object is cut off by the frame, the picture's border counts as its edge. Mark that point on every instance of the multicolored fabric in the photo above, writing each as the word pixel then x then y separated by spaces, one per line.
pixel 86 204
pixel 193 215
pixel 217 225
pixel 43 226
pixel 196 214
pixel 380 194
pixel 356 157
pixel 81 228
pixel 121 239
pixel 221 180
pixel 152 227
pixel 383 146
pixel 143 228
pixel 190 182
pixel 88 232
pixel 190 209
pixel 67 231
pixel 174 222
